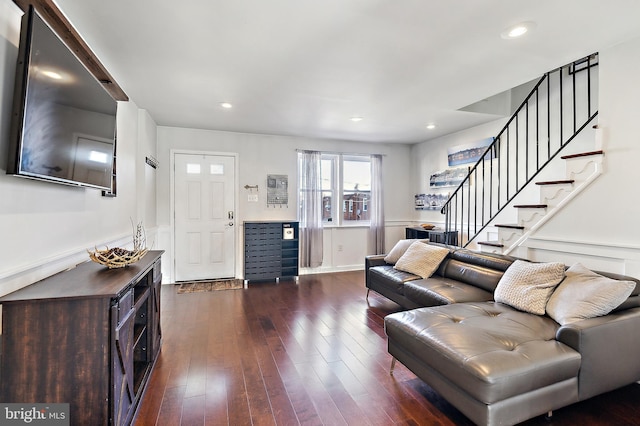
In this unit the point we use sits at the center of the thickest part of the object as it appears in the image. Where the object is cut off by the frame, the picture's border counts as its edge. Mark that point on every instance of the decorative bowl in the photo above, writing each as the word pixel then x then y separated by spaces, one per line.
pixel 117 257
pixel 427 226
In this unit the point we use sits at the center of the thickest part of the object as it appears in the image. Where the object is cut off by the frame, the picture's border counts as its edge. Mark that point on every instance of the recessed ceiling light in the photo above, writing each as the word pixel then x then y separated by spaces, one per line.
pixel 517 30
pixel 356 119
pixel 431 126
pixel 226 105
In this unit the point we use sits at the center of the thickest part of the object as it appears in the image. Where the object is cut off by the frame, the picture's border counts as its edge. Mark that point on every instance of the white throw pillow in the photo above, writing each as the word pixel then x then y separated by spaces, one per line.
pixel 421 259
pixel 399 249
pixel 527 286
pixel 586 294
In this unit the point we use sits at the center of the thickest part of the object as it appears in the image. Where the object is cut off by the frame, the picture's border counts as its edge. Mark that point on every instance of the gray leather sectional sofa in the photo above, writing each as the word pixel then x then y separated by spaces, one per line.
pixel 499 365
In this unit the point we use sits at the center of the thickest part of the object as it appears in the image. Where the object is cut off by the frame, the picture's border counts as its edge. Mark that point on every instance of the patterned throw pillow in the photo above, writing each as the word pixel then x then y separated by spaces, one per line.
pixel 527 286
pixel 586 294
pixel 421 259
pixel 399 249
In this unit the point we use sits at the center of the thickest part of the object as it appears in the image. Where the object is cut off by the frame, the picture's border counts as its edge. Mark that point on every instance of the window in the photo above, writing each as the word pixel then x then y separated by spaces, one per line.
pixel 356 187
pixel 193 168
pixel 346 188
pixel 216 169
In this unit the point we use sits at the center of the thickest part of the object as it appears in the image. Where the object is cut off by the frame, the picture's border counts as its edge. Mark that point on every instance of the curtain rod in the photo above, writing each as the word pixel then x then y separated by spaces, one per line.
pixel 337 152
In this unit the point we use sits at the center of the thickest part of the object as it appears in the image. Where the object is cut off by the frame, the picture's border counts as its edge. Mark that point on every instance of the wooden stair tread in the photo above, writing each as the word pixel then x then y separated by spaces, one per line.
pixel 510 226
pixel 582 154
pixel 491 243
pixel 556 182
pixel 531 206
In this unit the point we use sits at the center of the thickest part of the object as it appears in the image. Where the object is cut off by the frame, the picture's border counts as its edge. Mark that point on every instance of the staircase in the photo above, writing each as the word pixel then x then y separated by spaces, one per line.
pixel 581 170
pixel 517 174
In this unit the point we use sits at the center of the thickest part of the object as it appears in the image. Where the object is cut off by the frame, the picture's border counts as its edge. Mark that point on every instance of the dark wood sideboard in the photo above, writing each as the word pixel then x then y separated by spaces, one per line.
pixel 88 336
pixel 434 235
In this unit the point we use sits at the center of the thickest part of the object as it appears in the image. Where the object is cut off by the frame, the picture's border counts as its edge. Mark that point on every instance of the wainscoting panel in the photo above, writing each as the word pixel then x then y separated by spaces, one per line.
pixel 621 259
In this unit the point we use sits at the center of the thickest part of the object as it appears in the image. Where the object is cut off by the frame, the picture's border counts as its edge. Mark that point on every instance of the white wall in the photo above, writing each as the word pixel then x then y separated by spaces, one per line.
pixel 146 175
pixel 47 227
pixel 260 155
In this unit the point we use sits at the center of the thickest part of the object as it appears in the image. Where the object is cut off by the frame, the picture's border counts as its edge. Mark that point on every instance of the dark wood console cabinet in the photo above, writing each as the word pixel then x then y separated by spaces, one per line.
pixel 88 336
pixel 434 235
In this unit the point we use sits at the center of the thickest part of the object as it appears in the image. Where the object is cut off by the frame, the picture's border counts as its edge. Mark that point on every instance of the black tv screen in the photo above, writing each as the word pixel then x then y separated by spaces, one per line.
pixel 64 121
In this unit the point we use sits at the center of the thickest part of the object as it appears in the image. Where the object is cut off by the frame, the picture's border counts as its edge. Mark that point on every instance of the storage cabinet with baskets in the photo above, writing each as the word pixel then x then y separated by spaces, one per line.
pixel 270 250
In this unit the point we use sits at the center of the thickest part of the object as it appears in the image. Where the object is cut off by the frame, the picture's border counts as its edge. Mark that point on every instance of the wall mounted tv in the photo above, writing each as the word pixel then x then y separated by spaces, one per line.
pixel 63 126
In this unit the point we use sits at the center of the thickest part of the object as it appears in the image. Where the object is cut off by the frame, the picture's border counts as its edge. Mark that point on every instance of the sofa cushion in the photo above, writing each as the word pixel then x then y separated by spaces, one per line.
pixel 499 262
pixel 476 275
pixel 490 350
pixel 399 249
pixel 585 294
pixel 391 278
pixel 527 286
pixel 421 259
pixel 443 291
pixel 633 301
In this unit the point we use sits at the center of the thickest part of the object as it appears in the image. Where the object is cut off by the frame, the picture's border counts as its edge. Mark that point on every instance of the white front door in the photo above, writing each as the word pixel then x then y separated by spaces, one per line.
pixel 204 208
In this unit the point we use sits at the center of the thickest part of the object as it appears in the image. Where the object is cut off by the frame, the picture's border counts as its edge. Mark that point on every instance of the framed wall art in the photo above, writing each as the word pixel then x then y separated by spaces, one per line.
pixel 277 190
pixel 430 201
pixel 469 153
pixel 447 178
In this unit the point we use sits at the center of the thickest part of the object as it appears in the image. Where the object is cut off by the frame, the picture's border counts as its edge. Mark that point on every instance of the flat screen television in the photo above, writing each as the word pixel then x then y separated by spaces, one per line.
pixel 63 127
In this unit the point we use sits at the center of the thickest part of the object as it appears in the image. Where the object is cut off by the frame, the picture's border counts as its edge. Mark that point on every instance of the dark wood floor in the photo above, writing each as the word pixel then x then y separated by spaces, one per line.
pixel 312 353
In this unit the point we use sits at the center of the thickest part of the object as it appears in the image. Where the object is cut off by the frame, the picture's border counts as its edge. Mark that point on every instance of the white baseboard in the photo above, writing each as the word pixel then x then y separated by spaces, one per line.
pixel 325 270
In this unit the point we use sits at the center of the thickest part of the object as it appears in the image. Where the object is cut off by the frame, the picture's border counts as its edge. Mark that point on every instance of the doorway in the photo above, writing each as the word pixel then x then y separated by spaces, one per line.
pixel 204 216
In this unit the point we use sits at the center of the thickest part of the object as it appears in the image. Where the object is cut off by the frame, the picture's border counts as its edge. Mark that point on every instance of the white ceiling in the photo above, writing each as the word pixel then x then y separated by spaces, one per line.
pixel 304 67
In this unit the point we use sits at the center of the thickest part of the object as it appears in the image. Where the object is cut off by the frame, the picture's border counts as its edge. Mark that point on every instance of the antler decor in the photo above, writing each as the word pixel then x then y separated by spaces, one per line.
pixel 119 257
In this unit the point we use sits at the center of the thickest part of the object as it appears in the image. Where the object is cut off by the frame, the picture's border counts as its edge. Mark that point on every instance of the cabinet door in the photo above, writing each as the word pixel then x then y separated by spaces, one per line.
pixel 122 366
pixel 263 251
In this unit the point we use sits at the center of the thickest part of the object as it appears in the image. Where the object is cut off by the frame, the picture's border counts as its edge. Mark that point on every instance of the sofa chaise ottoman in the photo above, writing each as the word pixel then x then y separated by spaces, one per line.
pixel 503 362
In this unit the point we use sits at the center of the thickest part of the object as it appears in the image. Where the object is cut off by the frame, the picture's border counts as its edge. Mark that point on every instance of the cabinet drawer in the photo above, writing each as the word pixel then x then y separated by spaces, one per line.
pixel 251 261
pixel 252 252
pixel 263 246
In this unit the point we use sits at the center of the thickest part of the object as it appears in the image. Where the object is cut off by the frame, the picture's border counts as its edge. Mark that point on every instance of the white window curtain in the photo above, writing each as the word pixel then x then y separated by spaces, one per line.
pixel 376 226
pixel 310 186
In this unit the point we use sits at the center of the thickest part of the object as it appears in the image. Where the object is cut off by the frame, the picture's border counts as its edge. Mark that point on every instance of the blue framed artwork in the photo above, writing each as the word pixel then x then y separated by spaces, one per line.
pixel 469 153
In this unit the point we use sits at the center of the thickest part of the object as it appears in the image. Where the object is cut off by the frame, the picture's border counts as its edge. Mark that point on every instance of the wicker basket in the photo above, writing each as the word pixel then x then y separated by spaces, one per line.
pixel 117 257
